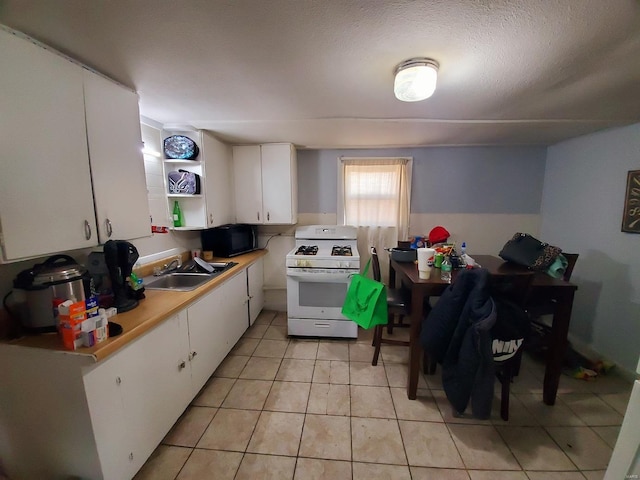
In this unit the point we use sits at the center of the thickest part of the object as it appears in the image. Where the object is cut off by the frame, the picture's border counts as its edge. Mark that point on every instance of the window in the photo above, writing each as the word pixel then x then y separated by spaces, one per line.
pixel 375 192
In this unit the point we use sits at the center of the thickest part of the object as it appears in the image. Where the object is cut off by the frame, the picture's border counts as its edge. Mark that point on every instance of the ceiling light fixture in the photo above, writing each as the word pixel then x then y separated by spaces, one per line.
pixel 415 79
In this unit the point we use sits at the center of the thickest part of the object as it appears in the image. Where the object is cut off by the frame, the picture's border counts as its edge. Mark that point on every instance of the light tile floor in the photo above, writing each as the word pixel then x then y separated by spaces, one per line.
pixel 280 408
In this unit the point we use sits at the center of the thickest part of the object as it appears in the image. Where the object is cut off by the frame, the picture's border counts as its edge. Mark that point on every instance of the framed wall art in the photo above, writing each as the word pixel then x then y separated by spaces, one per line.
pixel 631 215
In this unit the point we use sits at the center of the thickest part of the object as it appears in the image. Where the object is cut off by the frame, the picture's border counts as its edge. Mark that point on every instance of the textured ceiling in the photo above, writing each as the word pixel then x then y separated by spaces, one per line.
pixel 320 73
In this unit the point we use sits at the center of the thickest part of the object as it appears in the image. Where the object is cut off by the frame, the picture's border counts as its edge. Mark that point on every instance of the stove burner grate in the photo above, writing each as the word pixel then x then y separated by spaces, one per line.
pixel 307 250
pixel 341 251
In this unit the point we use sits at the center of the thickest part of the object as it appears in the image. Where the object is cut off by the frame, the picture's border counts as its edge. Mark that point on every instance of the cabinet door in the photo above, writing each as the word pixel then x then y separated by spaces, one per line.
pixel 234 309
pixel 117 166
pixel 206 337
pixel 46 201
pixel 103 387
pixel 255 283
pixel 158 385
pixel 248 184
pixel 279 184
pixel 153 387
pixel 217 181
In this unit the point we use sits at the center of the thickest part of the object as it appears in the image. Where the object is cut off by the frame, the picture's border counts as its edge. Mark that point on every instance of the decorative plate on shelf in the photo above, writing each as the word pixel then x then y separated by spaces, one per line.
pixel 179 147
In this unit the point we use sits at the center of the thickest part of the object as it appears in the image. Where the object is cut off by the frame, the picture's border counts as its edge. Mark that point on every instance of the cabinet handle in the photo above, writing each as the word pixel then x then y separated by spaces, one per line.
pixel 258 216
pixel 87 230
pixel 211 219
pixel 109 227
pixel 268 216
pixel 182 365
pixel 131 456
pixel 118 380
pixel 192 354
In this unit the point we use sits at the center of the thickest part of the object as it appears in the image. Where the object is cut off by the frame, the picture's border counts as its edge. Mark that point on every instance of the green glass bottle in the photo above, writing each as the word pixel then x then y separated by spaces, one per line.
pixel 178 220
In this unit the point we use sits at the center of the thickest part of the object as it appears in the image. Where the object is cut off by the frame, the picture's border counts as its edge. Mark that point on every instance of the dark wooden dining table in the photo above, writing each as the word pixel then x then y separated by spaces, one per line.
pixel 544 285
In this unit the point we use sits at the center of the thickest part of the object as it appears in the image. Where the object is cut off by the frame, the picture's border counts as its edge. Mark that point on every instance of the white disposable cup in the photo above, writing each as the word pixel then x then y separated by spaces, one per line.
pixel 425 274
pixel 425 258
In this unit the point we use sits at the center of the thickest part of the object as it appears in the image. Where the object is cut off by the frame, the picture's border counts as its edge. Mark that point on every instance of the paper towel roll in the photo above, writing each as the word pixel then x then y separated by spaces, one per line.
pixel 425 258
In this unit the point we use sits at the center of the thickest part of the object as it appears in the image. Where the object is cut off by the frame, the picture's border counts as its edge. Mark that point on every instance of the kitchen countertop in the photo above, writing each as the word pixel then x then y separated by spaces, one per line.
pixel 154 309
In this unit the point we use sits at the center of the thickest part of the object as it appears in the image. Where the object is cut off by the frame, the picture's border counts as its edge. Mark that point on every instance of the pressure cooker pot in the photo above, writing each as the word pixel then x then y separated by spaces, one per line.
pixel 39 290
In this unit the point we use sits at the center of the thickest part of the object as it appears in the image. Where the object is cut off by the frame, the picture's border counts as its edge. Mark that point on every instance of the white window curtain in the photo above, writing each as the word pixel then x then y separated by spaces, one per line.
pixel 374 195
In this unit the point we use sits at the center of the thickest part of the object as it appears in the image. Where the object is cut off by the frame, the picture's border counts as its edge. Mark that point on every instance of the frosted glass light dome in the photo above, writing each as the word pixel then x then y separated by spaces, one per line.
pixel 415 80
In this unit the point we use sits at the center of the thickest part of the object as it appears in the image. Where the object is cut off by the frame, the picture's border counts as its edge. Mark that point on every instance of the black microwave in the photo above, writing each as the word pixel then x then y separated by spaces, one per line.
pixel 230 240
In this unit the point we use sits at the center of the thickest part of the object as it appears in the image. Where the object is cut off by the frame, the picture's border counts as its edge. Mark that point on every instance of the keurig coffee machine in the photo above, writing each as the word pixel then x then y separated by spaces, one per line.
pixel 119 257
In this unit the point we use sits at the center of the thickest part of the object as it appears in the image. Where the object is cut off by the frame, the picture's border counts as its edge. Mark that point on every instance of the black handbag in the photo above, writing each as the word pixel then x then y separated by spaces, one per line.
pixel 530 252
pixel 184 182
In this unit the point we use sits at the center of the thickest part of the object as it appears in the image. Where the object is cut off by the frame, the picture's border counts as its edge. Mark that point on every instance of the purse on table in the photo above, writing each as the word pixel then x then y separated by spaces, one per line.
pixel 530 252
pixel 366 301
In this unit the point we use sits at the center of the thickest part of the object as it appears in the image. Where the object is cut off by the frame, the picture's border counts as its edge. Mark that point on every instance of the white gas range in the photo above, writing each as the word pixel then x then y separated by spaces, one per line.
pixel 319 270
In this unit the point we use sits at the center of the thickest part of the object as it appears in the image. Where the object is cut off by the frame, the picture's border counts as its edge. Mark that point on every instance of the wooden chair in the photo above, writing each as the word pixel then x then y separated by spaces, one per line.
pixel 399 305
pixel 515 288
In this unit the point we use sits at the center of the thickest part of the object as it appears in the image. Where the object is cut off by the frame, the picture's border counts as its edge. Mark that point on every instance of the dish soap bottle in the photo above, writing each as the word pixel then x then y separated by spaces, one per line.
pixel 178 220
pixel 445 270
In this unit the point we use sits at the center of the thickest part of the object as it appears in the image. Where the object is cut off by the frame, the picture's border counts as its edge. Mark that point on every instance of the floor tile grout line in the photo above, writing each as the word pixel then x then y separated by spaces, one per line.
pixel 388 387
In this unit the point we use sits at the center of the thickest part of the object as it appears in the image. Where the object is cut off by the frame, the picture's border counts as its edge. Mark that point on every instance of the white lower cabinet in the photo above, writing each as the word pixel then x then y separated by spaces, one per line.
pixel 255 289
pixel 103 420
pixel 216 323
pixel 136 395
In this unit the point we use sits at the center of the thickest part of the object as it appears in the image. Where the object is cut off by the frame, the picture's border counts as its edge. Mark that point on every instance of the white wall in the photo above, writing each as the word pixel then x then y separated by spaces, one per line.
pixel 582 205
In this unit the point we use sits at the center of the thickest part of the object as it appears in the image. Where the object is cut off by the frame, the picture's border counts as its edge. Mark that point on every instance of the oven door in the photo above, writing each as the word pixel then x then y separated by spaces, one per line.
pixel 316 294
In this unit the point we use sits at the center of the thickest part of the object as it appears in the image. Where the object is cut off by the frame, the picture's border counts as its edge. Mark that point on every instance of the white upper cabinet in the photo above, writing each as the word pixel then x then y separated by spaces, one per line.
pixel 217 181
pixel 71 154
pixel 213 205
pixel 46 202
pixel 266 187
pixel 247 171
pixel 115 153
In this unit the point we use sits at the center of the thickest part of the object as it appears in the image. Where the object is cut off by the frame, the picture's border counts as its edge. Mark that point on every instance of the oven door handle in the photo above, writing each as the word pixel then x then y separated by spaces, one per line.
pixel 321 277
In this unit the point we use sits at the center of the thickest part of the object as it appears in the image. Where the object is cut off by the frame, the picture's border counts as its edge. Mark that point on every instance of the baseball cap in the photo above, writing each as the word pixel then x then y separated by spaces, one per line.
pixel 438 234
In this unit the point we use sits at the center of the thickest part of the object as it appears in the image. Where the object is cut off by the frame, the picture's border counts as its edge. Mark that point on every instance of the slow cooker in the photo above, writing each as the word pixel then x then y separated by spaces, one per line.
pixel 39 290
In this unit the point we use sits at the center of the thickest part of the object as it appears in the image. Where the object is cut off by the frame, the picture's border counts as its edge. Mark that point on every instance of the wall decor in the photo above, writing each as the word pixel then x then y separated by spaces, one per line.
pixel 631 215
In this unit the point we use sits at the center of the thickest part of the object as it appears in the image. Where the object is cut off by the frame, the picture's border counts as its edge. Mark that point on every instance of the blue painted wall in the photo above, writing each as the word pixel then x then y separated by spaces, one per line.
pixel 445 179
pixel 583 203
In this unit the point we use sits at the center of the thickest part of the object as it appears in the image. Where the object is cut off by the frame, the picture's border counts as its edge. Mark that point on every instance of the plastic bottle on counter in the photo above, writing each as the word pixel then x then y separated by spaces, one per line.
pixel 463 248
pixel 177 215
pixel 445 270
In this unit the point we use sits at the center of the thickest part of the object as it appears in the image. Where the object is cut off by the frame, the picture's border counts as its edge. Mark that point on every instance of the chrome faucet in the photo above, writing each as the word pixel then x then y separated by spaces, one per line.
pixel 168 267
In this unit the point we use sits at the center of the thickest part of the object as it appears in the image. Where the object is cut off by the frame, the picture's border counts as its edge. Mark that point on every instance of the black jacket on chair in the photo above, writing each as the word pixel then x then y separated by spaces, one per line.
pixel 457 333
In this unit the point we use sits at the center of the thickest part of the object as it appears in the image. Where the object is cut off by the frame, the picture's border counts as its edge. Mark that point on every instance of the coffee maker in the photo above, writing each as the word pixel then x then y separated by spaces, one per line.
pixel 119 257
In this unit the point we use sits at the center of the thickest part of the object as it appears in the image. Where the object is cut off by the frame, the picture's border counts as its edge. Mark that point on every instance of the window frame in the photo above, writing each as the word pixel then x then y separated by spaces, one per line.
pixel 340 190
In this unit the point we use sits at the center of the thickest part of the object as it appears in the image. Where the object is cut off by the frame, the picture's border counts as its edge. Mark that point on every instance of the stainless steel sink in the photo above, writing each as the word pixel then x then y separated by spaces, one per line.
pixel 181 282
pixel 186 281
